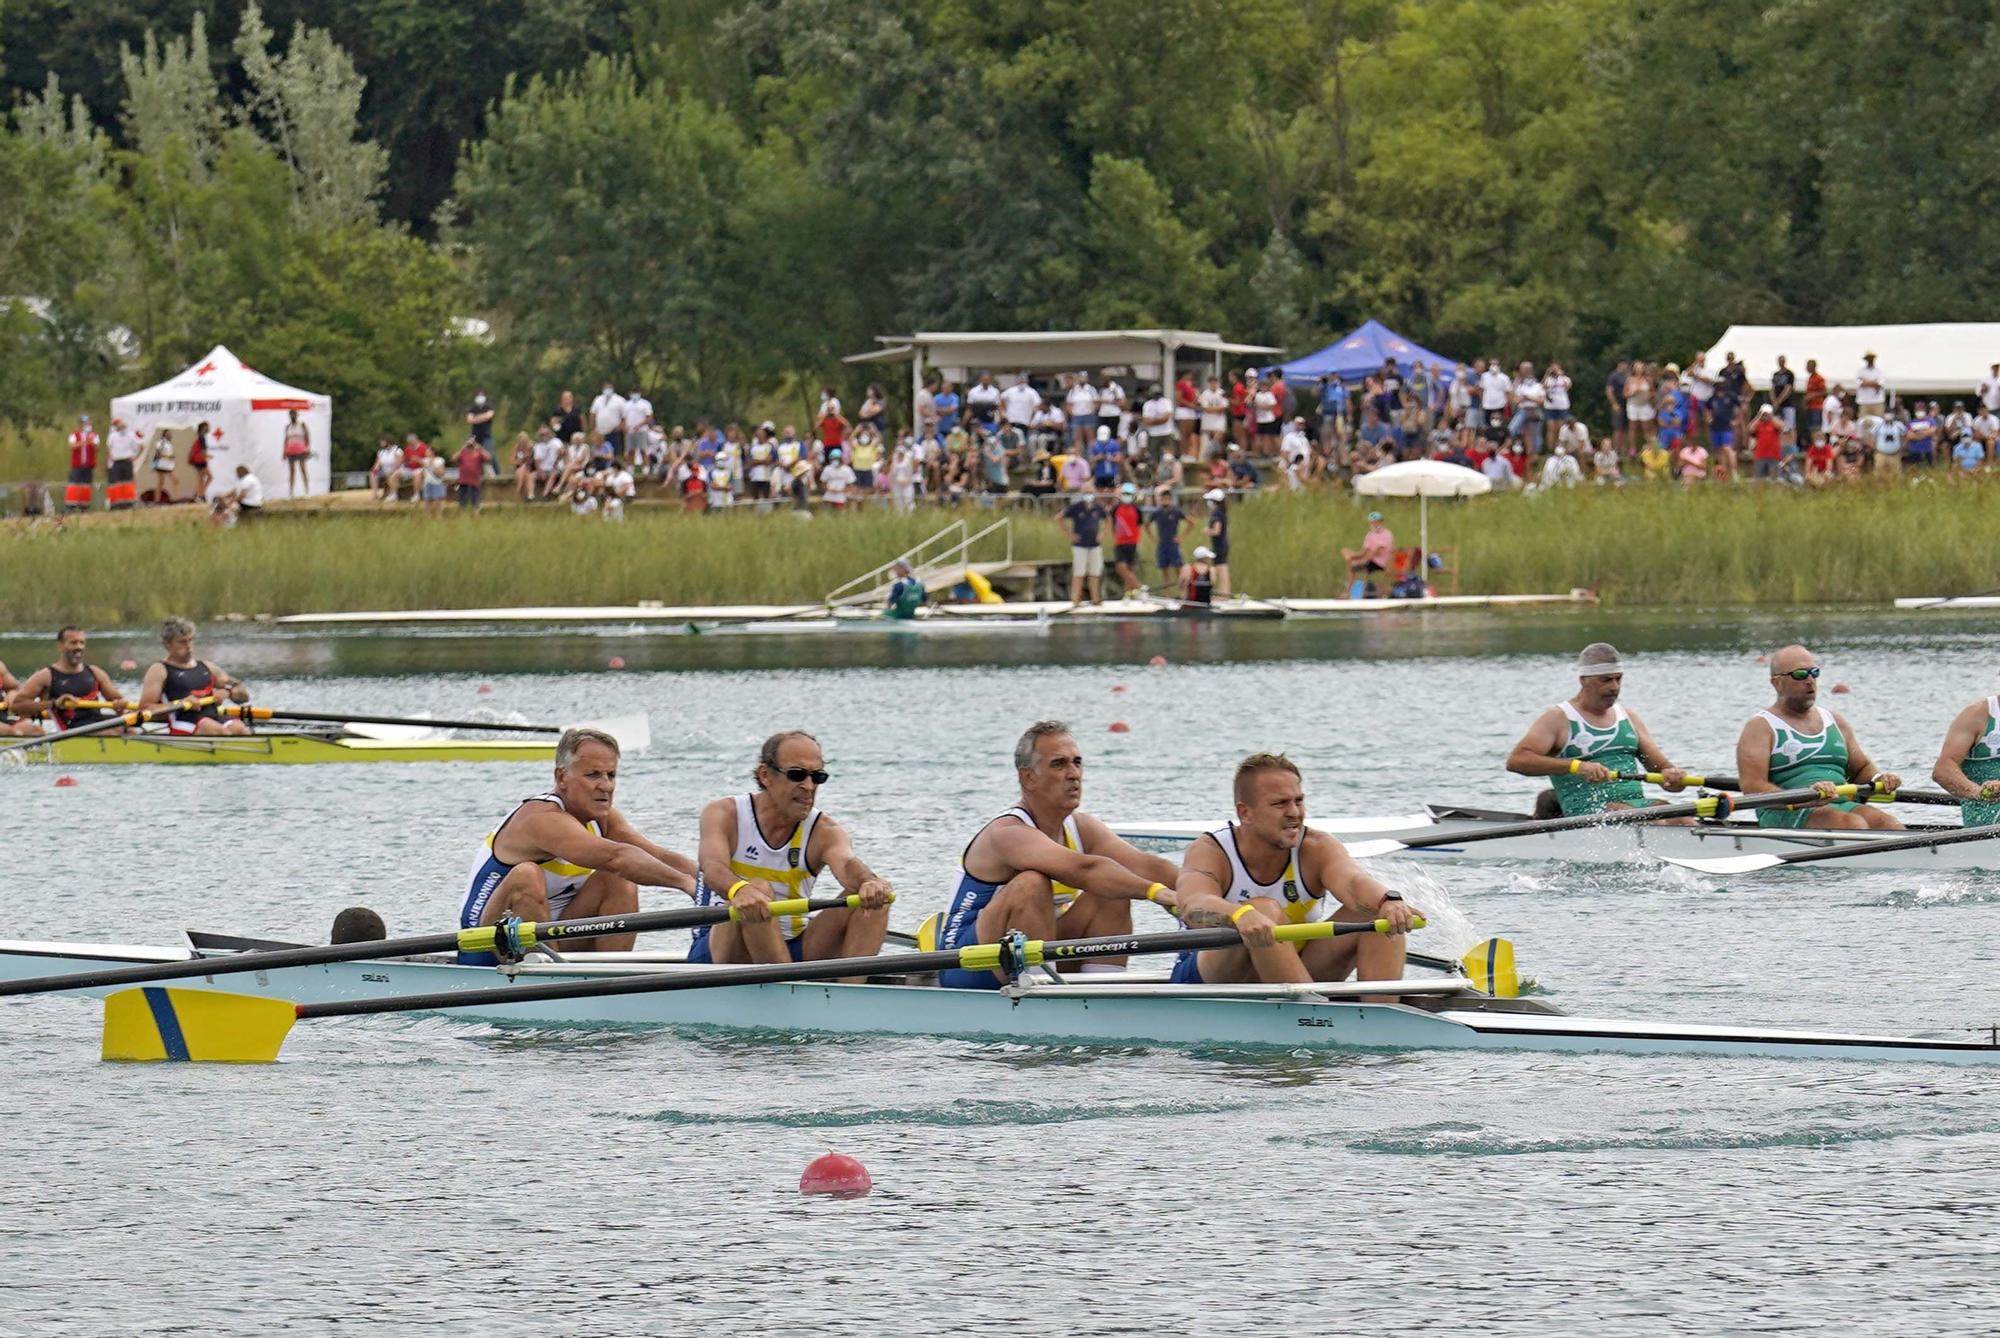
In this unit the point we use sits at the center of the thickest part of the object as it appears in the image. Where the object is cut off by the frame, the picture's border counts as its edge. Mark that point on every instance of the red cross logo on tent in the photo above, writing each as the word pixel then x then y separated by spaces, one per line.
pixel 215 434
pixel 204 369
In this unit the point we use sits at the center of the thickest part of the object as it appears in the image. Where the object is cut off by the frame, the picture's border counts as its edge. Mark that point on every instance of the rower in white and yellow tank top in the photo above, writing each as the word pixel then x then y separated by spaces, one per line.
pixel 1288 890
pixel 561 880
pixel 780 863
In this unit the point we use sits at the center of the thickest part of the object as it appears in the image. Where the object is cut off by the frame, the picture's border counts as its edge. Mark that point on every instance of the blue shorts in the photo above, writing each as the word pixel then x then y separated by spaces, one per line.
pixel 698 951
pixel 1169 555
pixel 1670 438
pixel 485 882
pixel 1187 969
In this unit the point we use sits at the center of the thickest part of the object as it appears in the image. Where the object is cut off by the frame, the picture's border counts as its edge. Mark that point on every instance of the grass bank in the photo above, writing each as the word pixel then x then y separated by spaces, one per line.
pixel 1640 545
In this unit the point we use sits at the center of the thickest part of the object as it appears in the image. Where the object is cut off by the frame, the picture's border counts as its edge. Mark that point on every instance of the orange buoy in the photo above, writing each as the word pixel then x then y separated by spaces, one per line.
pixel 128 666
pixel 1841 687
pixel 1763 659
pixel 1120 727
pixel 617 661
pixel 836 1176
pixel 1157 662
pixel 1117 687
pixel 484 688
pixel 65 782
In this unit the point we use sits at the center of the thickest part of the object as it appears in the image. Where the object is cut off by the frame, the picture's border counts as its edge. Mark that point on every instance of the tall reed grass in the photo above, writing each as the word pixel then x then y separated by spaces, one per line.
pixel 1638 545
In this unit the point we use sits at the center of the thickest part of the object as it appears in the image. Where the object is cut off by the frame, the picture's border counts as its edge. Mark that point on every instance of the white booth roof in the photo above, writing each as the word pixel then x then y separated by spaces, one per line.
pixel 1914 359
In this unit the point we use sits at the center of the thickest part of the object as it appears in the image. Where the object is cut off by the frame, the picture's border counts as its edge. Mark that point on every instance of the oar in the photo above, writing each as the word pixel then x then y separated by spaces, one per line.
pixel 1655 778
pixel 630 731
pixel 1727 864
pixel 109 722
pixel 1938 797
pixel 480 939
pixel 1707 806
pixel 158 1022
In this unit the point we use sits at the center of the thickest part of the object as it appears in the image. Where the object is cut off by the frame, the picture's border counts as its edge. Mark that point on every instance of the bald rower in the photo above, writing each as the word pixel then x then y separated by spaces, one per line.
pixel 1268 868
pixel 771 844
pixel 1578 743
pixel 1045 863
pixel 568 854
pixel 1797 743
pixel 1968 764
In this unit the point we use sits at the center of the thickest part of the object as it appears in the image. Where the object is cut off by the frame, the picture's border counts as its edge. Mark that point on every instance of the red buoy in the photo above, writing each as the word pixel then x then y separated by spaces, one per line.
pixel 484 688
pixel 1117 687
pixel 1841 687
pixel 1158 662
pixel 836 1176
pixel 1120 727
pixel 128 666
pixel 617 661
pixel 65 782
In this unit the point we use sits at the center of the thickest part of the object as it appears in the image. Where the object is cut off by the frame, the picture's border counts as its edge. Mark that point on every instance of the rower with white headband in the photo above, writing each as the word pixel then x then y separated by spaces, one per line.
pixel 1590 747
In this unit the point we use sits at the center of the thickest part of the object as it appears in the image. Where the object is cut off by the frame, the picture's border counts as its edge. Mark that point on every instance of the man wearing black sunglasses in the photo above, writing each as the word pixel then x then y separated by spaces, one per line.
pixel 1044 861
pixel 771 844
pixel 1798 743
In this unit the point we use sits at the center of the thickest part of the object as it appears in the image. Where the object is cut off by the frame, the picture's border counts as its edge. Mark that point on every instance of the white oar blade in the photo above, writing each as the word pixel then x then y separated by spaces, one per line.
pixel 391 733
pixel 633 732
pixel 1726 864
pixel 1374 849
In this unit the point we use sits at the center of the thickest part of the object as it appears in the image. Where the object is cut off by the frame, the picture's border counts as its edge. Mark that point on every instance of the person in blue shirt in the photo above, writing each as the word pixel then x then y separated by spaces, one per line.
pixel 1672 417
pixel 1968 455
pixel 1332 412
pixel 1086 550
pixel 946 402
pixel 1105 460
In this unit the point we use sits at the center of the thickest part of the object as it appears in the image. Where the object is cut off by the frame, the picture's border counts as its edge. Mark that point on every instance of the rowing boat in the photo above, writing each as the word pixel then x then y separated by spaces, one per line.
pixel 288 748
pixel 1435 1013
pixel 1610 845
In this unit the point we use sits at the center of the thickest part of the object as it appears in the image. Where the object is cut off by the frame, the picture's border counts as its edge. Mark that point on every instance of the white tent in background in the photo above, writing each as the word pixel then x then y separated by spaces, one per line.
pixel 1915 359
pixel 1423 480
pixel 246 412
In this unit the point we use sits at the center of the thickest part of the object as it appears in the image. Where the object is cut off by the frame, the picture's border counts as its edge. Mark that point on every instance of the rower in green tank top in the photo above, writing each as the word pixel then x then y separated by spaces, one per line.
pixel 1969 763
pixel 1799 744
pixel 1579 743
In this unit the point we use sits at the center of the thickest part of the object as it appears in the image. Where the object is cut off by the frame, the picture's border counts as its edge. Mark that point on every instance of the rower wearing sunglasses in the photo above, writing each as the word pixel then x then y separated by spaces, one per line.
pixel 1043 859
pixel 771 844
pixel 1797 743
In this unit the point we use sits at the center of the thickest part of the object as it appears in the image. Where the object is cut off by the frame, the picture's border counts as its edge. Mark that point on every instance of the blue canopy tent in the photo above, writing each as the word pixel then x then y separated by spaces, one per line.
pixel 1362 354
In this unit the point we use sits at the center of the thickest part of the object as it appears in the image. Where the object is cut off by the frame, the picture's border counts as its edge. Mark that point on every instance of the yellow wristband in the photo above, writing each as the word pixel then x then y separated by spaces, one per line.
pixel 734 888
pixel 1575 766
pixel 1153 892
pixel 1240 912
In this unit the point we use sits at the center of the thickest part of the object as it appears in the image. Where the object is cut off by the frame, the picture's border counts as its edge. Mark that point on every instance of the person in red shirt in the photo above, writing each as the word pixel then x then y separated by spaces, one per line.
pixel 1239 412
pixel 1767 444
pixel 1127 525
pixel 415 453
pixel 471 461
pixel 1819 460
pixel 1815 396
pixel 1187 410
pixel 82 467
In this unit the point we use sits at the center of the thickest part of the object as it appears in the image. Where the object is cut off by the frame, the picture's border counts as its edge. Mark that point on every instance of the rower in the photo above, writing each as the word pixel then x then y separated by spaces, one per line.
pixel 1044 859
pixel 1268 868
pixel 1968 764
pixel 1798 743
pixel 12 726
pixel 358 924
pixel 568 852
pixel 771 844
pixel 70 679
pixel 1579 743
pixel 180 675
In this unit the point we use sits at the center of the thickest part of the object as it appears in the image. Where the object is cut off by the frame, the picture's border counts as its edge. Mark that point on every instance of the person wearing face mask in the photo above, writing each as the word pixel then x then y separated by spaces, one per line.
pixel 607 414
pixel 772 844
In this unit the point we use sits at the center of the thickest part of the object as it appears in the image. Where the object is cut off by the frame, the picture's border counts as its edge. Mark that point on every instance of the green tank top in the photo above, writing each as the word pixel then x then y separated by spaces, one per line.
pixel 1982 763
pixel 1615 746
pixel 1800 760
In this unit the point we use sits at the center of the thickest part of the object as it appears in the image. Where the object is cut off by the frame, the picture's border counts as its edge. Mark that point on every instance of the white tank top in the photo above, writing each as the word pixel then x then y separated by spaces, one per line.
pixel 1289 889
pixel 780 863
pixel 560 879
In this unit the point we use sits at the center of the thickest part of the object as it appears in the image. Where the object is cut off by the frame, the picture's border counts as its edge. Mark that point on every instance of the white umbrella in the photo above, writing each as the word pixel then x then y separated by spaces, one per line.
pixel 1423 480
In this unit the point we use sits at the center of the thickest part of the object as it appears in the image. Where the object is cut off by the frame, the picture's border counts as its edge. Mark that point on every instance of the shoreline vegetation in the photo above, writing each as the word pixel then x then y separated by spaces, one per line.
pixel 1635 546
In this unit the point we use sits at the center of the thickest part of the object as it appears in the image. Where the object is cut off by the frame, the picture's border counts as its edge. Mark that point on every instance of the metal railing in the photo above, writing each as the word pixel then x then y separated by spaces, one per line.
pixel 927 556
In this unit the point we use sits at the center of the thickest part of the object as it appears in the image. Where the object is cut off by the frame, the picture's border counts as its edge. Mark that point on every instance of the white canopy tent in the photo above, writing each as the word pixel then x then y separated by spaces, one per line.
pixel 1914 359
pixel 1146 352
pixel 246 412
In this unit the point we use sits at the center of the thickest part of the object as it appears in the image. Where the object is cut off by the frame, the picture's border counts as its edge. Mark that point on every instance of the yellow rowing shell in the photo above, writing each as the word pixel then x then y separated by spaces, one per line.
pixel 294 749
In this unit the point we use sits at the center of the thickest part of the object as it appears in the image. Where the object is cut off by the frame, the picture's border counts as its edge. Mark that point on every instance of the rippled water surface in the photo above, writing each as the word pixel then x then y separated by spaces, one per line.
pixel 413 1173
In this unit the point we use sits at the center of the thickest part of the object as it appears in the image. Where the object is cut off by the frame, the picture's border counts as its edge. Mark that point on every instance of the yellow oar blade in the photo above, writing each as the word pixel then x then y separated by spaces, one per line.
pixel 204 1026
pixel 1491 968
pixel 927 933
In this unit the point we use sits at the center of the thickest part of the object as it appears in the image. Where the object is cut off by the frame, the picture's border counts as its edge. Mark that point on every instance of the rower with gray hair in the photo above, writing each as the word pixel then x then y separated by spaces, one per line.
pixel 1591 747
pixel 179 675
pixel 567 852
pixel 771 843
pixel 1044 861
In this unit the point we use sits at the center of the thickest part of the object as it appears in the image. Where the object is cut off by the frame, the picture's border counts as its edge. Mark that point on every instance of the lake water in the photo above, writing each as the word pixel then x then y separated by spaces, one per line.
pixel 410 1174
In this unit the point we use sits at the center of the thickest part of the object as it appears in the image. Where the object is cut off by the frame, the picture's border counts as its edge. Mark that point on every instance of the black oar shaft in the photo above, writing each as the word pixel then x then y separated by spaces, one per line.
pixel 333 718
pixel 1082 949
pixel 555 931
pixel 1617 817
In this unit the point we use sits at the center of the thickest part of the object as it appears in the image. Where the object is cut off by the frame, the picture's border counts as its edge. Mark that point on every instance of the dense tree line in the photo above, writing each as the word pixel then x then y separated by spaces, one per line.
pixel 717 198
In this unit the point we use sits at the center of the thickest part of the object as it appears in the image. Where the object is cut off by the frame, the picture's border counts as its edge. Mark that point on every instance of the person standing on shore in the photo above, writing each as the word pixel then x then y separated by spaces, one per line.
pixel 1086 551
pixel 1614 394
pixel 298 450
pixel 82 467
pixel 1783 401
pixel 471 461
pixel 1218 537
